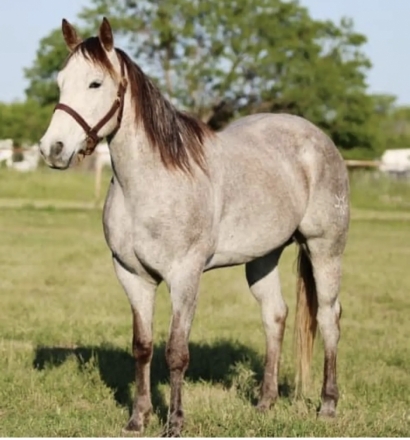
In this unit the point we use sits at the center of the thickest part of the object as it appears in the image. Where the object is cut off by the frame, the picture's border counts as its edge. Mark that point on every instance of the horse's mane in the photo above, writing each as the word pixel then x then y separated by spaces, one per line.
pixel 179 137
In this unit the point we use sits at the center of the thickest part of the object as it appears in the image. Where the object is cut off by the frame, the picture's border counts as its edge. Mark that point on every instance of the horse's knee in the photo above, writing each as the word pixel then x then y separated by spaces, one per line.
pixel 142 349
pixel 177 354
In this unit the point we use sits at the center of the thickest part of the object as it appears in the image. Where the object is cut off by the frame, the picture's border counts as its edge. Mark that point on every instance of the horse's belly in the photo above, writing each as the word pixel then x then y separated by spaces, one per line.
pixel 243 239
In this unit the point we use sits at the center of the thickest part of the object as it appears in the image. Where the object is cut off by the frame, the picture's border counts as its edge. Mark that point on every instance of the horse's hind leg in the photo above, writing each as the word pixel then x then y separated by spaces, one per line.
pixel 141 294
pixel 326 261
pixel 263 279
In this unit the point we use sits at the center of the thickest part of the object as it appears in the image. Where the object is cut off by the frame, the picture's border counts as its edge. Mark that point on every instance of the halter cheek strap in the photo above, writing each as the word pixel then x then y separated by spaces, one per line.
pixel 92 138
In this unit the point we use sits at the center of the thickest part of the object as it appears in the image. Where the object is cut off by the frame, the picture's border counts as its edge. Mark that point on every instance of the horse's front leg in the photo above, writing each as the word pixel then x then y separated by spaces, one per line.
pixel 141 294
pixel 183 286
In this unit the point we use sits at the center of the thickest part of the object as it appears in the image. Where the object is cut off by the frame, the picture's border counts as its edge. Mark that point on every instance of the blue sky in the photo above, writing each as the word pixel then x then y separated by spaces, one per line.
pixel 385 22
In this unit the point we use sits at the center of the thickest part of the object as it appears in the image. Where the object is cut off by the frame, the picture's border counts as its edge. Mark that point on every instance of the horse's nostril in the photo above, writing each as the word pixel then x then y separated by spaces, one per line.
pixel 57 148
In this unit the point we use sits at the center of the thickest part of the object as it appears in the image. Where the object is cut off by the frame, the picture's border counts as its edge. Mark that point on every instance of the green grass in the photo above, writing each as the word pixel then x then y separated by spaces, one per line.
pixel 372 190
pixel 65 330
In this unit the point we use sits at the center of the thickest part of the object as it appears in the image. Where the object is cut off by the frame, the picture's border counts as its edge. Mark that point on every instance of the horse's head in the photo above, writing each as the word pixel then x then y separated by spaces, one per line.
pixel 92 89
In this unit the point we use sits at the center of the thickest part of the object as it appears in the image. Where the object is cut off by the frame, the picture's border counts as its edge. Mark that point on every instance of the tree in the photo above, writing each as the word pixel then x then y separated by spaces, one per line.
pixel 392 122
pixel 24 122
pixel 220 60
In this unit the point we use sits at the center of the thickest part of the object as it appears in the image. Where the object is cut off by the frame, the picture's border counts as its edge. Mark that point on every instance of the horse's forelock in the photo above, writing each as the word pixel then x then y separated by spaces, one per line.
pixel 92 50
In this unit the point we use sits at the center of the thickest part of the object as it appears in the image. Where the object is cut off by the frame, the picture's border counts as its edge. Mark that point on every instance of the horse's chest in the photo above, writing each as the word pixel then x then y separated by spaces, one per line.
pixel 118 235
pixel 118 230
pixel 133 242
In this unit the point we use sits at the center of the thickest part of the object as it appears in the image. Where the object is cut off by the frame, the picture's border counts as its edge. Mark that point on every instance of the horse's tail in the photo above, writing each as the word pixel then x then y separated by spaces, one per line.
pixel 305 319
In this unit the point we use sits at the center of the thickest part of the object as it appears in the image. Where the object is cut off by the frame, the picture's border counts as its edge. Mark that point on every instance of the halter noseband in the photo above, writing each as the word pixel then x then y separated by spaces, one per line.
pixel 92 138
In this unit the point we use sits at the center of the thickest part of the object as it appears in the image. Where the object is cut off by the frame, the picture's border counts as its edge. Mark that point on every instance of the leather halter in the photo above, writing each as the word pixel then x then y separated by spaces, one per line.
pixel 92 138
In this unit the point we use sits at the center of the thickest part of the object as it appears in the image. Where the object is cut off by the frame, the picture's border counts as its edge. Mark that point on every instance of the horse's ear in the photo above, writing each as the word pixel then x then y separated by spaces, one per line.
pixel 70 35
pixel 106 36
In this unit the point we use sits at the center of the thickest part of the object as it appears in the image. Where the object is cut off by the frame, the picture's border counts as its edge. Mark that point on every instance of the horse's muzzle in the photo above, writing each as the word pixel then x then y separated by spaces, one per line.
pixel 56 158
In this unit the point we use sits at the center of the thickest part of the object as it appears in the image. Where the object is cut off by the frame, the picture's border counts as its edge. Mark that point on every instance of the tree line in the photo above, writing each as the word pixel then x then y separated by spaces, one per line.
pixel 222 60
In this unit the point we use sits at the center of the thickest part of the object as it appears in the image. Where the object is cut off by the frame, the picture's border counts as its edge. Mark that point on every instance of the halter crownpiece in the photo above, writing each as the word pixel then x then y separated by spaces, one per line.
pixel 92 138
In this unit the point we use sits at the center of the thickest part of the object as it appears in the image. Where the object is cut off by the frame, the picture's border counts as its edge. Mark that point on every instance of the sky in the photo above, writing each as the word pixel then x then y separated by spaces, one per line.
pixel 385 23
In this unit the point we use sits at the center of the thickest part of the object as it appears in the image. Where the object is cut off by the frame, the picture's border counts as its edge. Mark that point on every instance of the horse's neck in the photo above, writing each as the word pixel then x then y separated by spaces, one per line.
pixel 133 158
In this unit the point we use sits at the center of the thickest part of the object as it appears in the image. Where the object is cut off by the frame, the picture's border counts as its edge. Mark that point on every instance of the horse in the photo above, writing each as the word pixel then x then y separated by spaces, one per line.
pixel 184 199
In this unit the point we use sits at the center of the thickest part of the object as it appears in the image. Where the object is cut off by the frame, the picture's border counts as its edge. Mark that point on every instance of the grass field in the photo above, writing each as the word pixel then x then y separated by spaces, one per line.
pixel 65 326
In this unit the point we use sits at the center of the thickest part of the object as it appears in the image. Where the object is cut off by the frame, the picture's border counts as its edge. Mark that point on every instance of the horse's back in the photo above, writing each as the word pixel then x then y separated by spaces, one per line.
pixel 282 133
pixel 289 148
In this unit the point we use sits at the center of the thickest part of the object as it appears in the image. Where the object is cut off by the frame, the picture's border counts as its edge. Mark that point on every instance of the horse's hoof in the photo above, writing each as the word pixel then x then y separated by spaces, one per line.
pixel 133 429
pixel 172 434
pixel 265 403
pixel 171 431
pixel 263 407
pixel 327 413
pixel 127 433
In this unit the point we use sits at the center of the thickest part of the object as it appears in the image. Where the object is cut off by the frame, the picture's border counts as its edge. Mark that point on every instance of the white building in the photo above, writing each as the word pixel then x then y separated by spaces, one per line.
pixel 396 162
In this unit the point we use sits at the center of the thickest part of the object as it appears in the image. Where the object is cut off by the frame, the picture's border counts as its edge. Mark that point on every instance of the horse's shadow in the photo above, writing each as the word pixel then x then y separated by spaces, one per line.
pixel 209 363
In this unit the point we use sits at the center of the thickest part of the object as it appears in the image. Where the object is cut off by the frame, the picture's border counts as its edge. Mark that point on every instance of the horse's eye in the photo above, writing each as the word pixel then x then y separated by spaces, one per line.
pixel 95 85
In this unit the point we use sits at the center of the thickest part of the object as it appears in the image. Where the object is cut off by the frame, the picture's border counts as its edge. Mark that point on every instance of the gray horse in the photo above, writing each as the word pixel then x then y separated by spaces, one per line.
pixel 184 200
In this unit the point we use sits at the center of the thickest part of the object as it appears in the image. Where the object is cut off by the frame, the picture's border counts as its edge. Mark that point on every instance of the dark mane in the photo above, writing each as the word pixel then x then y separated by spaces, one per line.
pixel 179 137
